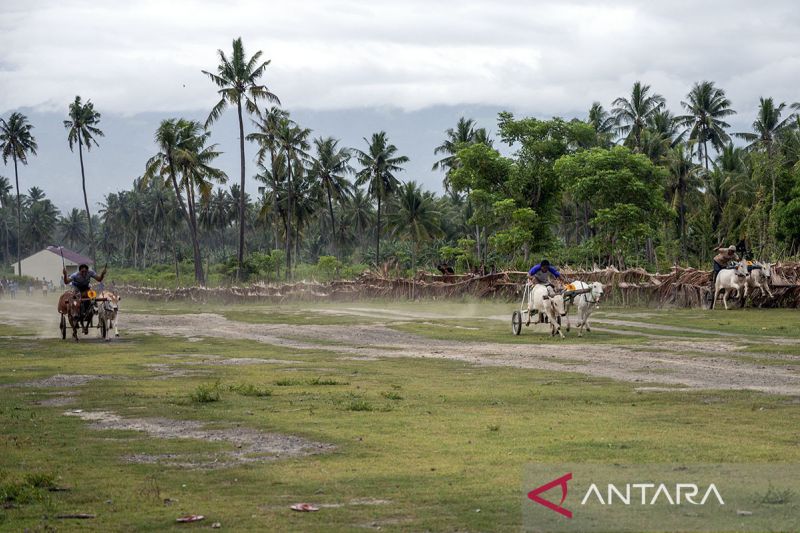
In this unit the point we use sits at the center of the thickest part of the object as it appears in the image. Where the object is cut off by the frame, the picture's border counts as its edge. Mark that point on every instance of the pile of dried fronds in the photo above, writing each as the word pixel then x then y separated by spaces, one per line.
pixel 681 287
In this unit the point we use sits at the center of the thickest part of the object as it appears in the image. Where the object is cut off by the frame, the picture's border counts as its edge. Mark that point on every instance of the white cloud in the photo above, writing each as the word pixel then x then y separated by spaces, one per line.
pixel 550 57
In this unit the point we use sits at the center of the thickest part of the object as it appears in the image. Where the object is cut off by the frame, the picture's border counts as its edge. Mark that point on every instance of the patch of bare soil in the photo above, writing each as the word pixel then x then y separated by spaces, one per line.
pixel 657 363
pixel 169 371
pixel 59 399
pixel 206 359
pixel 59 381
pixel 249 445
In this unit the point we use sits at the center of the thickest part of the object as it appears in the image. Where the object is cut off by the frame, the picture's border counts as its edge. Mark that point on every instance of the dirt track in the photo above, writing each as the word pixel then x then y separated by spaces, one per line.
pixel 674 362
pixel 696 363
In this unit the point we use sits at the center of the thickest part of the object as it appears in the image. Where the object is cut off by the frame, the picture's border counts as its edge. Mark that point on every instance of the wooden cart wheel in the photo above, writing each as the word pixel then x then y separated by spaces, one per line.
pixel 63 327
pixel 516 322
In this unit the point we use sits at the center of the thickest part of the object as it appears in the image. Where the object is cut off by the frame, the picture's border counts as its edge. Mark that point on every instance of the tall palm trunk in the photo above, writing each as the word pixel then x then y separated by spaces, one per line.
pixel 682 217
pixel 198 258
pixel 240 255
pixel 378 235
pixel 275 205
pixel 290 199
pixel 19 217
pixel 86 199
pixel 333 222
pixel 705 152
pixel 198 265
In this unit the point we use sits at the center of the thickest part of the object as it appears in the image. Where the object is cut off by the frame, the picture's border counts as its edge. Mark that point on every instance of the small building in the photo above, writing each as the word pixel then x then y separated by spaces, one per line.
pixel 47 263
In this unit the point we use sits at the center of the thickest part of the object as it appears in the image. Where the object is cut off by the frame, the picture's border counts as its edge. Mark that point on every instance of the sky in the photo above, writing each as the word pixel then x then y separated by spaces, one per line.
pixel 350 68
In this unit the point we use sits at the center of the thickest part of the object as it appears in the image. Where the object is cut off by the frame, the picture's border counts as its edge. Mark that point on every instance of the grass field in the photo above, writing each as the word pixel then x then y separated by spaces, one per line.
pixel 405 441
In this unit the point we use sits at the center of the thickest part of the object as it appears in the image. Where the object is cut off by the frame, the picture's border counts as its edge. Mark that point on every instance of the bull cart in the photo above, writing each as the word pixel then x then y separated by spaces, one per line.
pixel 79 310
pixel 521 316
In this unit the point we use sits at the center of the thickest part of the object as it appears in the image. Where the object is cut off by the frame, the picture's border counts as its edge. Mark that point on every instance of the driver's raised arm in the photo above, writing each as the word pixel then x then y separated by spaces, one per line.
pixel 66 278
pixel 101 276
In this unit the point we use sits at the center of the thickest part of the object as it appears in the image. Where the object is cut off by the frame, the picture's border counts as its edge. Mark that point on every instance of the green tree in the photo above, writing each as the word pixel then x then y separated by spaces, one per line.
pixel 266 136
pixel 464 134
pixel 683 180
pixel 766 128
pixel 16 142
pixel 416 219
pixel 329 168
pixel 631 114
pixel 379 165
pixel 41 218
pixel 82 130
pixel 237 79
pixel 706 106
pixel 625 190
pixel 74 227
pixel 294 146
pixel 183 152
pixel 603 123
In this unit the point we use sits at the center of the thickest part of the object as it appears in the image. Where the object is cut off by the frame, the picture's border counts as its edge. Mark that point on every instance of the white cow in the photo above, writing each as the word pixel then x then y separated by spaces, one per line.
pixel 759 277
pixel 550 306
pixel 731 279
pixel 108 310
pixel 586 303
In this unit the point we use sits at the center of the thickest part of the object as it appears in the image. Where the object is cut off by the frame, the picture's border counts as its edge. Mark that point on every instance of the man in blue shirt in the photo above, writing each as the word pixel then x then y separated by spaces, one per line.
pixel 544 274
pixel 81 280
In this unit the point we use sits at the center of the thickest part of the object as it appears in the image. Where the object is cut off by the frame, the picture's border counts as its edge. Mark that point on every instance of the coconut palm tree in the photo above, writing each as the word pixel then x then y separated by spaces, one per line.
pixel 359 216
pixel 329 169
pixel 415 218
pixel 74 227
pixel 766 128
pixel 82 130
pixel 632 114
pixel 706 106
pixel 379 164
pixel 17 142
pixel 184 153
pixel 237 79
pixel 266 136
pixel 5 213
pixel 603 124
pixel 41 219
pixel 293 143
pixel 684 180
pixel 464 134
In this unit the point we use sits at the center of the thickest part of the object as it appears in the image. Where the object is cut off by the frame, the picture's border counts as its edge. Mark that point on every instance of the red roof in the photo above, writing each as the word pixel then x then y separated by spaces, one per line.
pixel 75 257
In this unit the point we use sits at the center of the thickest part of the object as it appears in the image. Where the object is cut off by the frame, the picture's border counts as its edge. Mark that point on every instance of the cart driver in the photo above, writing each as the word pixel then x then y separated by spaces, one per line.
pixel 544 274
pixel 81 280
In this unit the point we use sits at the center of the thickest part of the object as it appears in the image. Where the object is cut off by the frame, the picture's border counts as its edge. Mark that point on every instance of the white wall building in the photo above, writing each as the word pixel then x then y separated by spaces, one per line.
pixel 47 264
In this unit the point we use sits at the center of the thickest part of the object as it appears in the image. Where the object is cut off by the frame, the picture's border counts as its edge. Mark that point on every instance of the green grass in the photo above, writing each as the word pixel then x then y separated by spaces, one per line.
pixel 749 321
pixel 437 439
pixel 475 330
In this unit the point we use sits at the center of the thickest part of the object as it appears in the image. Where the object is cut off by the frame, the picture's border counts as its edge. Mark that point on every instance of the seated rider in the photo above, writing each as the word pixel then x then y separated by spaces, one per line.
pixel 721 261
pixel 544 274
pixel 81 281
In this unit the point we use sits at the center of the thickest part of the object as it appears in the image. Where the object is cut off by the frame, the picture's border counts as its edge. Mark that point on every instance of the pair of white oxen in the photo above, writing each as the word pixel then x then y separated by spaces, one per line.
pixel 585 296
pixel 742 279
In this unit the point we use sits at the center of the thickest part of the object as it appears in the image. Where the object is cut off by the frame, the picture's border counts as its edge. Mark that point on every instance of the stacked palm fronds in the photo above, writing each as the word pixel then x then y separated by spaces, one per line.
pixel 681 287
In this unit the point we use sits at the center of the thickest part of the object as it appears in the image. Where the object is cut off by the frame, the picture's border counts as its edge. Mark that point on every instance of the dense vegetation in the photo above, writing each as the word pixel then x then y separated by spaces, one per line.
pixel 635 185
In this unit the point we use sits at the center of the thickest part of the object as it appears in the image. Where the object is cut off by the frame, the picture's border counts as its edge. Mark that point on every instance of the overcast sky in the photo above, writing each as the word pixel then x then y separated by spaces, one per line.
pixel 410 67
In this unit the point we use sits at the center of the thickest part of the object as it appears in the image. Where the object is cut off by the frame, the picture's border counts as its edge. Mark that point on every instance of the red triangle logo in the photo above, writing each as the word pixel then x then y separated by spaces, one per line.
pixel 562 482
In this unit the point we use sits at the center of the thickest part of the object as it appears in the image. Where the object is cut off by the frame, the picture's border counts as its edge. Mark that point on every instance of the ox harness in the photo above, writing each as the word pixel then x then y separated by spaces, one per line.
pixel 570 293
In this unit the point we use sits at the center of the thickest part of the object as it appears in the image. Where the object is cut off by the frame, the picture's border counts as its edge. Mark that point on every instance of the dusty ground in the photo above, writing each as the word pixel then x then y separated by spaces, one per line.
pixel 670 360
pixel 250 445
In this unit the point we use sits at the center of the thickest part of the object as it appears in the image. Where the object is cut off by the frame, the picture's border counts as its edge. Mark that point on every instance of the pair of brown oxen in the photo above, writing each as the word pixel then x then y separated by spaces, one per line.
pixel 80 308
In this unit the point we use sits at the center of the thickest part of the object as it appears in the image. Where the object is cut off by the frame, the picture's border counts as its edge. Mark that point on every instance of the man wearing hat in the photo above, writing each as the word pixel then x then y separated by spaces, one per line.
pixel 721 260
